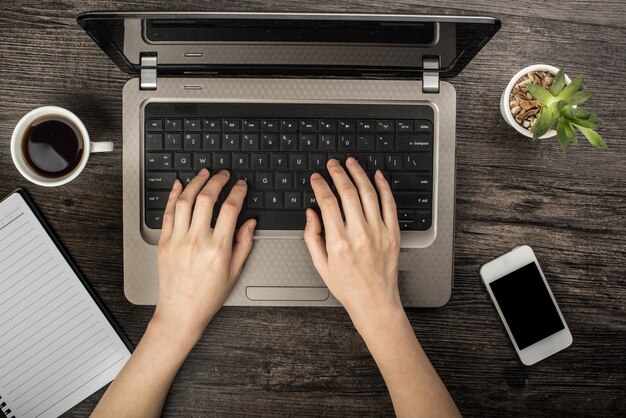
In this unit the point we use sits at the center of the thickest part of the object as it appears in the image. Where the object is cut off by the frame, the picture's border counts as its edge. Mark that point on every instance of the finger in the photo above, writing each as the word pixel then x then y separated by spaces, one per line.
pixel 326 200
pixel 390 214
pixel 227 218
pixel 243 245
pixel 347 192
pixel 168 215
pixel 367 193
pixel 203 212
pixel 315 241
pixel 184 204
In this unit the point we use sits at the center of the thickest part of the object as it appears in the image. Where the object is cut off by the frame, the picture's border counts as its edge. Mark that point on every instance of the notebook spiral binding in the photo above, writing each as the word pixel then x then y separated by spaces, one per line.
pixel 6 411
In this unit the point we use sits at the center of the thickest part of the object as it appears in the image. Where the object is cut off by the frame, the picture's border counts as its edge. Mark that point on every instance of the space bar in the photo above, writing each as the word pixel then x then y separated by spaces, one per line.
pixel 275 219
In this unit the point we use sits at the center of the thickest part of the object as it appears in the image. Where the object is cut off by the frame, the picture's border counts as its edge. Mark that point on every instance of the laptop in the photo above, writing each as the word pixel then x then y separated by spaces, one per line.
pixel 271 97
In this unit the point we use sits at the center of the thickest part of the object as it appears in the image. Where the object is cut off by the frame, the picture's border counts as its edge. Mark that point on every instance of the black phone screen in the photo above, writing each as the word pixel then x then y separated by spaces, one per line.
pixel 526 305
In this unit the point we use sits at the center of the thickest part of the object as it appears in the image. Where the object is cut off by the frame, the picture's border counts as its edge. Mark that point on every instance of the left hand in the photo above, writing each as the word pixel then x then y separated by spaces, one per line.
pixel 198 265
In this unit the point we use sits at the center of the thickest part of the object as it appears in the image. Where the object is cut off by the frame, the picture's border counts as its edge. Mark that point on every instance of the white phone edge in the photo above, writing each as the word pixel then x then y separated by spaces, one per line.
pixel 507 263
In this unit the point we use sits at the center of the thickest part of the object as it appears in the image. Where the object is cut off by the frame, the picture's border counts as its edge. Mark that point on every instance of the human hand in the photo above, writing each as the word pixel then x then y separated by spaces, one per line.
pixel 358 258
pixel 198 265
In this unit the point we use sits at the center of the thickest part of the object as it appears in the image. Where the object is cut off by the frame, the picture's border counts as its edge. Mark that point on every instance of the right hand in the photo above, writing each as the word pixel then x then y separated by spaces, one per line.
pixel 358 258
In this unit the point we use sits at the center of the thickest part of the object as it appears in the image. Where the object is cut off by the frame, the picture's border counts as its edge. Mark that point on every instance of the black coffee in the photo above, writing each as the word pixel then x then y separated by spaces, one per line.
pixel 52 146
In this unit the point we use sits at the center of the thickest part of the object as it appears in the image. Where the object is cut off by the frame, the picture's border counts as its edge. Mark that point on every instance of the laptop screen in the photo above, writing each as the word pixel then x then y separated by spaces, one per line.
pixel 289 44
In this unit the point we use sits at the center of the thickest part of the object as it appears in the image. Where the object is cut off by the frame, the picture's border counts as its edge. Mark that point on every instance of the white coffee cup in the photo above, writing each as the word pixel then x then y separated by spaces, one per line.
pixel 46 112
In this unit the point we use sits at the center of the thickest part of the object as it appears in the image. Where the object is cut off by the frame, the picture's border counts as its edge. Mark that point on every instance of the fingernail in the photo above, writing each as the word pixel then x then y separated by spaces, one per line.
pixel 352 161
pixel 240 182
pixel 225 173
pixel 204 172
pixel 332 162
pixel 308 216
pixel 252 225
pixel 316 176
pixel 379 174
pixel 177 184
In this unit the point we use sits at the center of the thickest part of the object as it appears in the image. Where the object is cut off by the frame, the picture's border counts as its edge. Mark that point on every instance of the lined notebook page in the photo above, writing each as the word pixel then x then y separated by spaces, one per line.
pixel 56 345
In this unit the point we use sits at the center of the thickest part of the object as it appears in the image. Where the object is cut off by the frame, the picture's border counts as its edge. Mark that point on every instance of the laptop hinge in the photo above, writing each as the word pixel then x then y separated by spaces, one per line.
pixel 148 74
pixel 430 79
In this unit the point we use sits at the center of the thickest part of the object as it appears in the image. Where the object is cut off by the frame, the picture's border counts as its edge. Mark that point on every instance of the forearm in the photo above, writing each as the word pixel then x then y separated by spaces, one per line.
pixel 143 384
pixel 414 385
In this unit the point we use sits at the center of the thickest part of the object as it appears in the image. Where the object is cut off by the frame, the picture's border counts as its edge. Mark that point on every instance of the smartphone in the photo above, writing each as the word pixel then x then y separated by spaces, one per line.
pixel 526 305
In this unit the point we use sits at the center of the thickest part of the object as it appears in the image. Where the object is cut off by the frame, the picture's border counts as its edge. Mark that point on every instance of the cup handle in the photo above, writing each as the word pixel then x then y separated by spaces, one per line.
pixel 105 146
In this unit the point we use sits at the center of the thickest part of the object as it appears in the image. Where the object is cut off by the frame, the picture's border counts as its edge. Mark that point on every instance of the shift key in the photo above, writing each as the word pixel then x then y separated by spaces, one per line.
pixel 407 200
pixel 414 142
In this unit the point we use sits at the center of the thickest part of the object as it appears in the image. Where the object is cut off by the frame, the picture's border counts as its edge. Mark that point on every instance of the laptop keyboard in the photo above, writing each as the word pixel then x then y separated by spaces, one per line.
pixel 276 147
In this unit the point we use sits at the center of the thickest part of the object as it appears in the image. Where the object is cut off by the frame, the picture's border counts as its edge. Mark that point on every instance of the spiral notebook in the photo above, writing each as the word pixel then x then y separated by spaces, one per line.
pixel 58 344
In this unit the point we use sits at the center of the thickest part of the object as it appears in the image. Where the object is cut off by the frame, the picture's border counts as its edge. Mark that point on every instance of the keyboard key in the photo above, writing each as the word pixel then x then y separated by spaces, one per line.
pixel 423 220
pixel 347 142
pixel 182 161
pixel 230 142
pixel 410 181
pixel 297 162
pixel 154 125
pixel 404 126
pixel 185 177
pixel 289 125
pixel 365 142
pixel 317 162
pixel 365 126
pixel 231 125
pixel 213 125
pixel 337 156
pixel 309 200
pixel 193 125
pixel 293 200
pixel 240 162
pixel 328 143
pixel 157 180
pixel 393 161
pixel 211 142
pixel 283 181
pixel 192 142
pixel 263 180
pixel 421 162
pixel 158 161
pixel 250 142
pixel 328 125
pixel 289 142
pixel 269 142
pixel 273 200
pixel 406 225
pixel 411 200
pixel 423 126
pixel 156 200
pixel 270 125
pixel 347 125
pixel 246 176
pixel 154 219
pixel 375 161
pixel 277 219
pixel 259 161
pixel 384 142
pixel 279 162
pixel 405 215
pixel 154 142
pixel 384 126
pixel 308 142
pixel 250 125
pixel 308 125
pixel 221 161
pixel 302 180
pixel 173 142
pixel 414 142
pixel 254 199
pixel 173 125
pixel 201 160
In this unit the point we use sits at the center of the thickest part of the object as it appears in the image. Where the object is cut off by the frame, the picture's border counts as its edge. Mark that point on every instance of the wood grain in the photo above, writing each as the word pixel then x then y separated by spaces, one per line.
pixel 571 208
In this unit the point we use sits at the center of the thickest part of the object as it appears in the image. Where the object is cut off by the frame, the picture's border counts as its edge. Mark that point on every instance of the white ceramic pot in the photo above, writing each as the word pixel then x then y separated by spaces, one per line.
pixel 505 109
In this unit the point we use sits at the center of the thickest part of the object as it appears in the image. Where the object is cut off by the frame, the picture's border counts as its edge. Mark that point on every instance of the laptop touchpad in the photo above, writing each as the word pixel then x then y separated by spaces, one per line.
pixel 287 293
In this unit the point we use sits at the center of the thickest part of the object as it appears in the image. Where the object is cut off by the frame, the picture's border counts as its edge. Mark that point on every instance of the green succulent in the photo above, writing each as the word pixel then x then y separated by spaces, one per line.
pixel 560 110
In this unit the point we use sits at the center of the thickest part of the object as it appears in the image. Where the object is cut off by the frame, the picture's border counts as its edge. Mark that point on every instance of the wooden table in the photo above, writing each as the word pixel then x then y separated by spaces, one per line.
pixel 571 208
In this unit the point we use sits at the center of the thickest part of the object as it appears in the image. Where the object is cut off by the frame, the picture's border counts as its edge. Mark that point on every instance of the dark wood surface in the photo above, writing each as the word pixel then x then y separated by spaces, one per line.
pixel 268 361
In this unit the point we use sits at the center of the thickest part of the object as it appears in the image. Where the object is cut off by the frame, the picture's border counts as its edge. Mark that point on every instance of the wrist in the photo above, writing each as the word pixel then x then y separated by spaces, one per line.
pixel 379 319
pixel 174 333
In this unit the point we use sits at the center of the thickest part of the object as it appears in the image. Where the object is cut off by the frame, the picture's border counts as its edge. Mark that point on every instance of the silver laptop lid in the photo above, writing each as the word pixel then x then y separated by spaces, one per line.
pixel 289 44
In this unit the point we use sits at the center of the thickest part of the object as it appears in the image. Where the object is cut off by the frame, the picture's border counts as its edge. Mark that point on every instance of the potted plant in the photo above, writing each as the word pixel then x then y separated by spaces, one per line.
pixel 540 101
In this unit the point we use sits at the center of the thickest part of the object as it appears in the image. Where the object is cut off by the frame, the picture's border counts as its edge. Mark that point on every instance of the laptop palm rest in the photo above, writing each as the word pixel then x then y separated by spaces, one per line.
pixel 298 293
